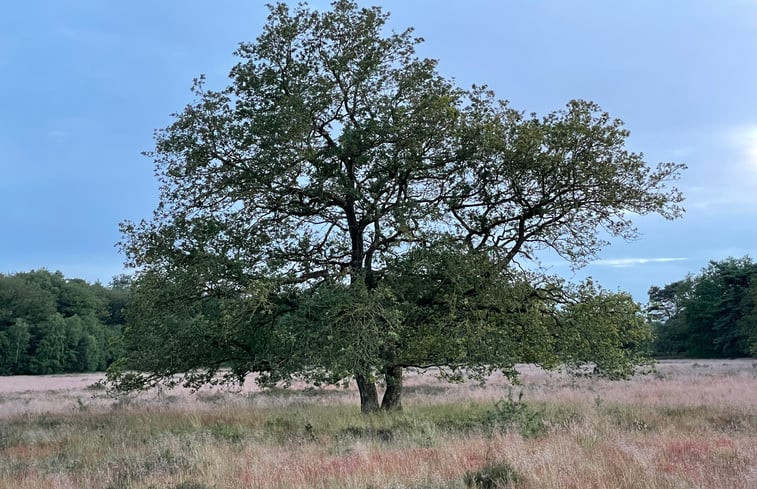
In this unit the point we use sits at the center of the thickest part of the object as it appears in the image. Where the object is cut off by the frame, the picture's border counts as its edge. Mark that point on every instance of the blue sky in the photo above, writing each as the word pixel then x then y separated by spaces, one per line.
pixel 85 82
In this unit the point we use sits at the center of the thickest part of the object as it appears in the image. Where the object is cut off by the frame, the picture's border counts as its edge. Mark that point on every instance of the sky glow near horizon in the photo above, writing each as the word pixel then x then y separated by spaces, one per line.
pixel 86 82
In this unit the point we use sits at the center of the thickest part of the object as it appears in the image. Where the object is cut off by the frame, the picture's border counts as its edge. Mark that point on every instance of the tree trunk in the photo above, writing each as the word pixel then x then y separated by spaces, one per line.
pixel 368 394
pixel 393 396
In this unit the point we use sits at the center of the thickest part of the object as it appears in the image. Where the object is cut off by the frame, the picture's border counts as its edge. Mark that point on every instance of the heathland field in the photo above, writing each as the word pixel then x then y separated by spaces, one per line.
pixel 692 424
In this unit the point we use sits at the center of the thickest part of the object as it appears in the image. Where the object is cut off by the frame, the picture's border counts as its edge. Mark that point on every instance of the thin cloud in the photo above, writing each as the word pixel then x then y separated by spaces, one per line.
pixel 632 262
pixel 734 201
pixel 732 184
pixel 743 139
pixel 57 135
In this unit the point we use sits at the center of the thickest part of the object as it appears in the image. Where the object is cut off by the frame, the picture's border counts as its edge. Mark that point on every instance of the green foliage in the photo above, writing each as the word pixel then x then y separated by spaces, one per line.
pixel 14 343
pixel 178 322
pixel 603 333
pixel 713 314
pixel 346 328
pixel 464 309
pixel 341 209
pixel 493 477
pixel 510 413
pixel 23 296
pixel 49 324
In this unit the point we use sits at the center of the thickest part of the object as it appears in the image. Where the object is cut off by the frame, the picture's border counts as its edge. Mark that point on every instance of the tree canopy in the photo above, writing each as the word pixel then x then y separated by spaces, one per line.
pixel 713 314
pixel 341 209
pixel 50 324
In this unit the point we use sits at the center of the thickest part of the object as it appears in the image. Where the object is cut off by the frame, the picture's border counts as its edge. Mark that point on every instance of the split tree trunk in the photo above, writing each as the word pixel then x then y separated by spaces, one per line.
pixel 392 400
pixel 368 395
pixel 361 270
pixel 393 396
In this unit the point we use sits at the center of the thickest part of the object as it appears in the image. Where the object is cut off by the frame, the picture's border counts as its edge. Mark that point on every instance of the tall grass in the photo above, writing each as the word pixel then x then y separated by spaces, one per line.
pixel 686 427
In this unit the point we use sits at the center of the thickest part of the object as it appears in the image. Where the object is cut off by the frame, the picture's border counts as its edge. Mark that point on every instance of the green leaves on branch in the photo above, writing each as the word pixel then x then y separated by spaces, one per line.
pixel 603 330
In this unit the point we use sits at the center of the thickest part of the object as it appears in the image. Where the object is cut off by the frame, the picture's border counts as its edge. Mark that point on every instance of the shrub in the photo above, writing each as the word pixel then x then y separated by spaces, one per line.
pixel 492 477
pixel 509 413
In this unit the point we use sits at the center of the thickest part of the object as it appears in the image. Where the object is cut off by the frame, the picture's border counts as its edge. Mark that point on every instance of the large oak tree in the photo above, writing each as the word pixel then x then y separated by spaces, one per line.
pixel 336 168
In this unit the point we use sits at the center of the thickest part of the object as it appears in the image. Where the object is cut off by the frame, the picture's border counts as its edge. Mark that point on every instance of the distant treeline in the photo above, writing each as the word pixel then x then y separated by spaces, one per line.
pixel 710 315
pixel 50 324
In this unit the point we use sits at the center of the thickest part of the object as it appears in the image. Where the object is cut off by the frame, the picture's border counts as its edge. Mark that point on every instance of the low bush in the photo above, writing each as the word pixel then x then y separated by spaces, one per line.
pixel 509 414
pixel 493 477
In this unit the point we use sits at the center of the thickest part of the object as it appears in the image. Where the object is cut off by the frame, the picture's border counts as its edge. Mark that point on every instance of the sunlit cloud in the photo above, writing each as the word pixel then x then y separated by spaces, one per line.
pixel 720 197
pixel 731 184
pixel 743 139
pixel 632 262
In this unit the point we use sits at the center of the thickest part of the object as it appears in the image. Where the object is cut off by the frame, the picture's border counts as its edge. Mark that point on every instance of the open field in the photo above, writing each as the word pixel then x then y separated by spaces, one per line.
pixel 693 424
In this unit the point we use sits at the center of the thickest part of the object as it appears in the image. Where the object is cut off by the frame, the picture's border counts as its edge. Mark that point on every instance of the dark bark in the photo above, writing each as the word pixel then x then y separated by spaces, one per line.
pixel 369 401
pixel 392 400
pixel 368 394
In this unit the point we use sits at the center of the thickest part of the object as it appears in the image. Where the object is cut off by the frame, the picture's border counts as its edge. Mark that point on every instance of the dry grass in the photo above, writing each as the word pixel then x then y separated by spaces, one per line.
pixel 690 425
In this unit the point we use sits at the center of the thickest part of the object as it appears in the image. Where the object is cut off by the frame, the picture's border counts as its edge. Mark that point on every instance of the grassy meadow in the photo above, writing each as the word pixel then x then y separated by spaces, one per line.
pixel 692 424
